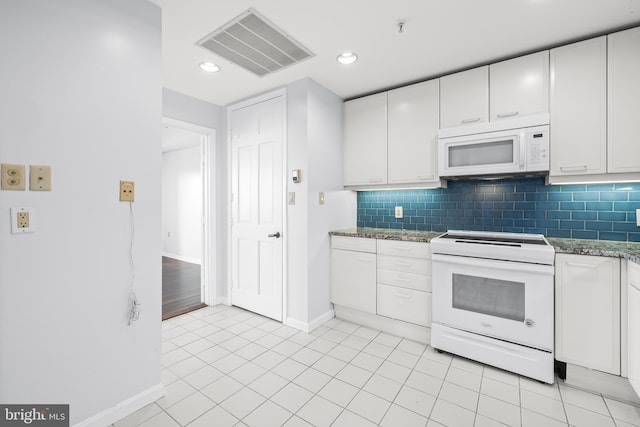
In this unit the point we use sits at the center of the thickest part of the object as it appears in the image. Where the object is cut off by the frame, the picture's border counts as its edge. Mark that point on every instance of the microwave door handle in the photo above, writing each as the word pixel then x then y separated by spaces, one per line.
pixel 523 151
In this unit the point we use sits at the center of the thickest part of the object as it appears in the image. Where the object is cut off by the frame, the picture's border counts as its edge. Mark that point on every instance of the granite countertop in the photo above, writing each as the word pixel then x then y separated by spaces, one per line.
pixel 387 234
pixel 628 250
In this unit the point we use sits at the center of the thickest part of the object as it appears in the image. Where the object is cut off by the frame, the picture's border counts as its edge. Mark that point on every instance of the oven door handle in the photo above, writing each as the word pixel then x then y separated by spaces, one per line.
pixel 491 263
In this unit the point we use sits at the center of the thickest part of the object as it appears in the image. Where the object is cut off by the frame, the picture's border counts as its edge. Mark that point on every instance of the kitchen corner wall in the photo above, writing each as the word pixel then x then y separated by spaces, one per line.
pixel 519 205
pixel 314 146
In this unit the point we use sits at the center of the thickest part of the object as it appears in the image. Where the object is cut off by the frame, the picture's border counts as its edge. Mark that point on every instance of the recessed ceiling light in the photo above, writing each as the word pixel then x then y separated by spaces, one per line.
pixel 209 67
pixel 347 58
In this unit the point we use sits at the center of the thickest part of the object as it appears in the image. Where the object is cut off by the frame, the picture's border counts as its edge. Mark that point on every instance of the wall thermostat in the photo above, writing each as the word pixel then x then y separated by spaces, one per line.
pixel 295 176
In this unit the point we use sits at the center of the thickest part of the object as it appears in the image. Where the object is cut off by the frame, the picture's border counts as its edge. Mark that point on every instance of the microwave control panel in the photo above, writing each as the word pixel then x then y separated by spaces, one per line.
pixel 538 148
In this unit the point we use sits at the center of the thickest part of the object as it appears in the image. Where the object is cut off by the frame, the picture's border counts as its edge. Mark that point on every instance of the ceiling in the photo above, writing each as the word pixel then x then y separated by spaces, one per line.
pixel 439 37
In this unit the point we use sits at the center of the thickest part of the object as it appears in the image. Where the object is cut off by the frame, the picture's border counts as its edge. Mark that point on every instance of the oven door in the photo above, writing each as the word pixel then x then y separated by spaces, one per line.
pixel 510 301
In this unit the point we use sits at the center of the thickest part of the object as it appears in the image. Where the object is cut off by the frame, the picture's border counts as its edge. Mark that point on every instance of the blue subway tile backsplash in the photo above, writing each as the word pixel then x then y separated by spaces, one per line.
pixel 519 205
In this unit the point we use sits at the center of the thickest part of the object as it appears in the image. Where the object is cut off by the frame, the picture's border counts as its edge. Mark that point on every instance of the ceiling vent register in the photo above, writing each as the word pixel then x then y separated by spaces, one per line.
pixel 255 44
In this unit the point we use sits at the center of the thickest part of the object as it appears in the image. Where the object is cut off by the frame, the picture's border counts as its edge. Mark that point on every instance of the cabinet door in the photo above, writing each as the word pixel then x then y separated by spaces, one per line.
pixel 588 311
pixel 413 119
pixel 624 101
pixel 353 279
pixel 578 108
pixel 365 140
pixel 633 331
pixel 519 86
pixel 464 97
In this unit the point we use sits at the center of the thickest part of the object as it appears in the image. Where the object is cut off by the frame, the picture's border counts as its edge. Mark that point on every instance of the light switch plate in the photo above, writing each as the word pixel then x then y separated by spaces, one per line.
pixel 321 197
pixel 39 178
pixel 22 220
pixel 292 197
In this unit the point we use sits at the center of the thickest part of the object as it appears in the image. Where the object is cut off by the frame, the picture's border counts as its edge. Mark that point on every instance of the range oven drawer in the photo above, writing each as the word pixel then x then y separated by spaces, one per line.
pixel 404 304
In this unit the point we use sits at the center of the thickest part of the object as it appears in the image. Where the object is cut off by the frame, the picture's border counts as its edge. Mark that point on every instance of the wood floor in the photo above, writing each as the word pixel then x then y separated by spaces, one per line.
pixel 180 287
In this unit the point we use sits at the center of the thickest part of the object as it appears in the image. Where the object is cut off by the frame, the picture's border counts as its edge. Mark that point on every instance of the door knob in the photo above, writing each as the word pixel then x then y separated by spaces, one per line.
pixel 276 235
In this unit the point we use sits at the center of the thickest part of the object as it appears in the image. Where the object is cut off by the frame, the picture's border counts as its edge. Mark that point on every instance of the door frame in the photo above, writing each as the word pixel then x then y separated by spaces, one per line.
pixel 208 293
pixel 282 92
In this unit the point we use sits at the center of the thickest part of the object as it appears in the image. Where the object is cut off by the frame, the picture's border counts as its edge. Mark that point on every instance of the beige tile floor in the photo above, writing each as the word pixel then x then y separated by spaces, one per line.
pixel 224 366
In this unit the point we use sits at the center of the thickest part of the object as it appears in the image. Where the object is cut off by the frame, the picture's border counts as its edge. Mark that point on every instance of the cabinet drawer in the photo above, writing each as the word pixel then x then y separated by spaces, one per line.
pixel 406 249
pixel 404 304
pixel 359 244
pixel 406 265
pixel 418 282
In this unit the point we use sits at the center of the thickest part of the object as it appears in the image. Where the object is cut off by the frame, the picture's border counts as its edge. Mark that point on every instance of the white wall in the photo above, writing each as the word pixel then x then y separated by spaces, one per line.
pixel 325 172
pixel 182 204
pixel 314 117
pixel 80 90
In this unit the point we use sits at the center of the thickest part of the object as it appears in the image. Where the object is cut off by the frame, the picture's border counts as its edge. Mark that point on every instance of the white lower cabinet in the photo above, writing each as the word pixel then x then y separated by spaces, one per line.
pixel 393 283
pixel 587 313
pixel 633 326
pixel 353 273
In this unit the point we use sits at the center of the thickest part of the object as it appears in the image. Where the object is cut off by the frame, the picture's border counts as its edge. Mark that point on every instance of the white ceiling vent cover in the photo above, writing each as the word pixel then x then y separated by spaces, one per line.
pixel 255 44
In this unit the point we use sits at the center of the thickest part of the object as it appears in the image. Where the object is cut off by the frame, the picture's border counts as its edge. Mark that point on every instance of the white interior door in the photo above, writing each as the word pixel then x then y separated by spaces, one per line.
pixel 257 207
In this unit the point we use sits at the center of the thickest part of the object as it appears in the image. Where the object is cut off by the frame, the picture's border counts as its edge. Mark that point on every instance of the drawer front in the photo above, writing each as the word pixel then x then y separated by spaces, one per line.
pixel 405 249
pixel 419 282
pixel 404 304
pixel 406 265
pixel 359 244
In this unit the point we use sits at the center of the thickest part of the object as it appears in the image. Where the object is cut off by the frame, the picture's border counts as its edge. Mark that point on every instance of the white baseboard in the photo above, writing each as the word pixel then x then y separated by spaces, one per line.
pixel 124 408
pixel 608 385
pixel 223 301
pixel 309 326
pixel 182 258
pixel 417 333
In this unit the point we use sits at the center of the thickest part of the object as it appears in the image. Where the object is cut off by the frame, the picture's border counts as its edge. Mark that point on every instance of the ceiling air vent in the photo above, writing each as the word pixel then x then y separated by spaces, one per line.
pixel 255 44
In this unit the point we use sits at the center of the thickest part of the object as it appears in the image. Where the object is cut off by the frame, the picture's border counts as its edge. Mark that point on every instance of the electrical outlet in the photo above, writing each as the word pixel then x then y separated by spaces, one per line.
pixel 39 178
pixel 638 217
pixel 12 177
pixel 127 191
pixel 22 220
pixel 399 212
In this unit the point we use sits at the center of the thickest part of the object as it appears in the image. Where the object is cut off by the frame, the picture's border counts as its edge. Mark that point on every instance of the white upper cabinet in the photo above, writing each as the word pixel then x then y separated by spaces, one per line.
pixel 579 108
pixel 365 140
pixel 519 86
pixel 412 133
pixel 624 101
pixel 464 98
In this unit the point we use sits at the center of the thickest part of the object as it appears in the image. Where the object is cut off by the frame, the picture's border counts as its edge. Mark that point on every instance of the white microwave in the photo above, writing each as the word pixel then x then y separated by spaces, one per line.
pixel 501 152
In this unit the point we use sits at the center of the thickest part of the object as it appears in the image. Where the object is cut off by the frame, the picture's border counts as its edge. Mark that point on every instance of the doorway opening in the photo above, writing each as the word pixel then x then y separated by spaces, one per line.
pixel 186 266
